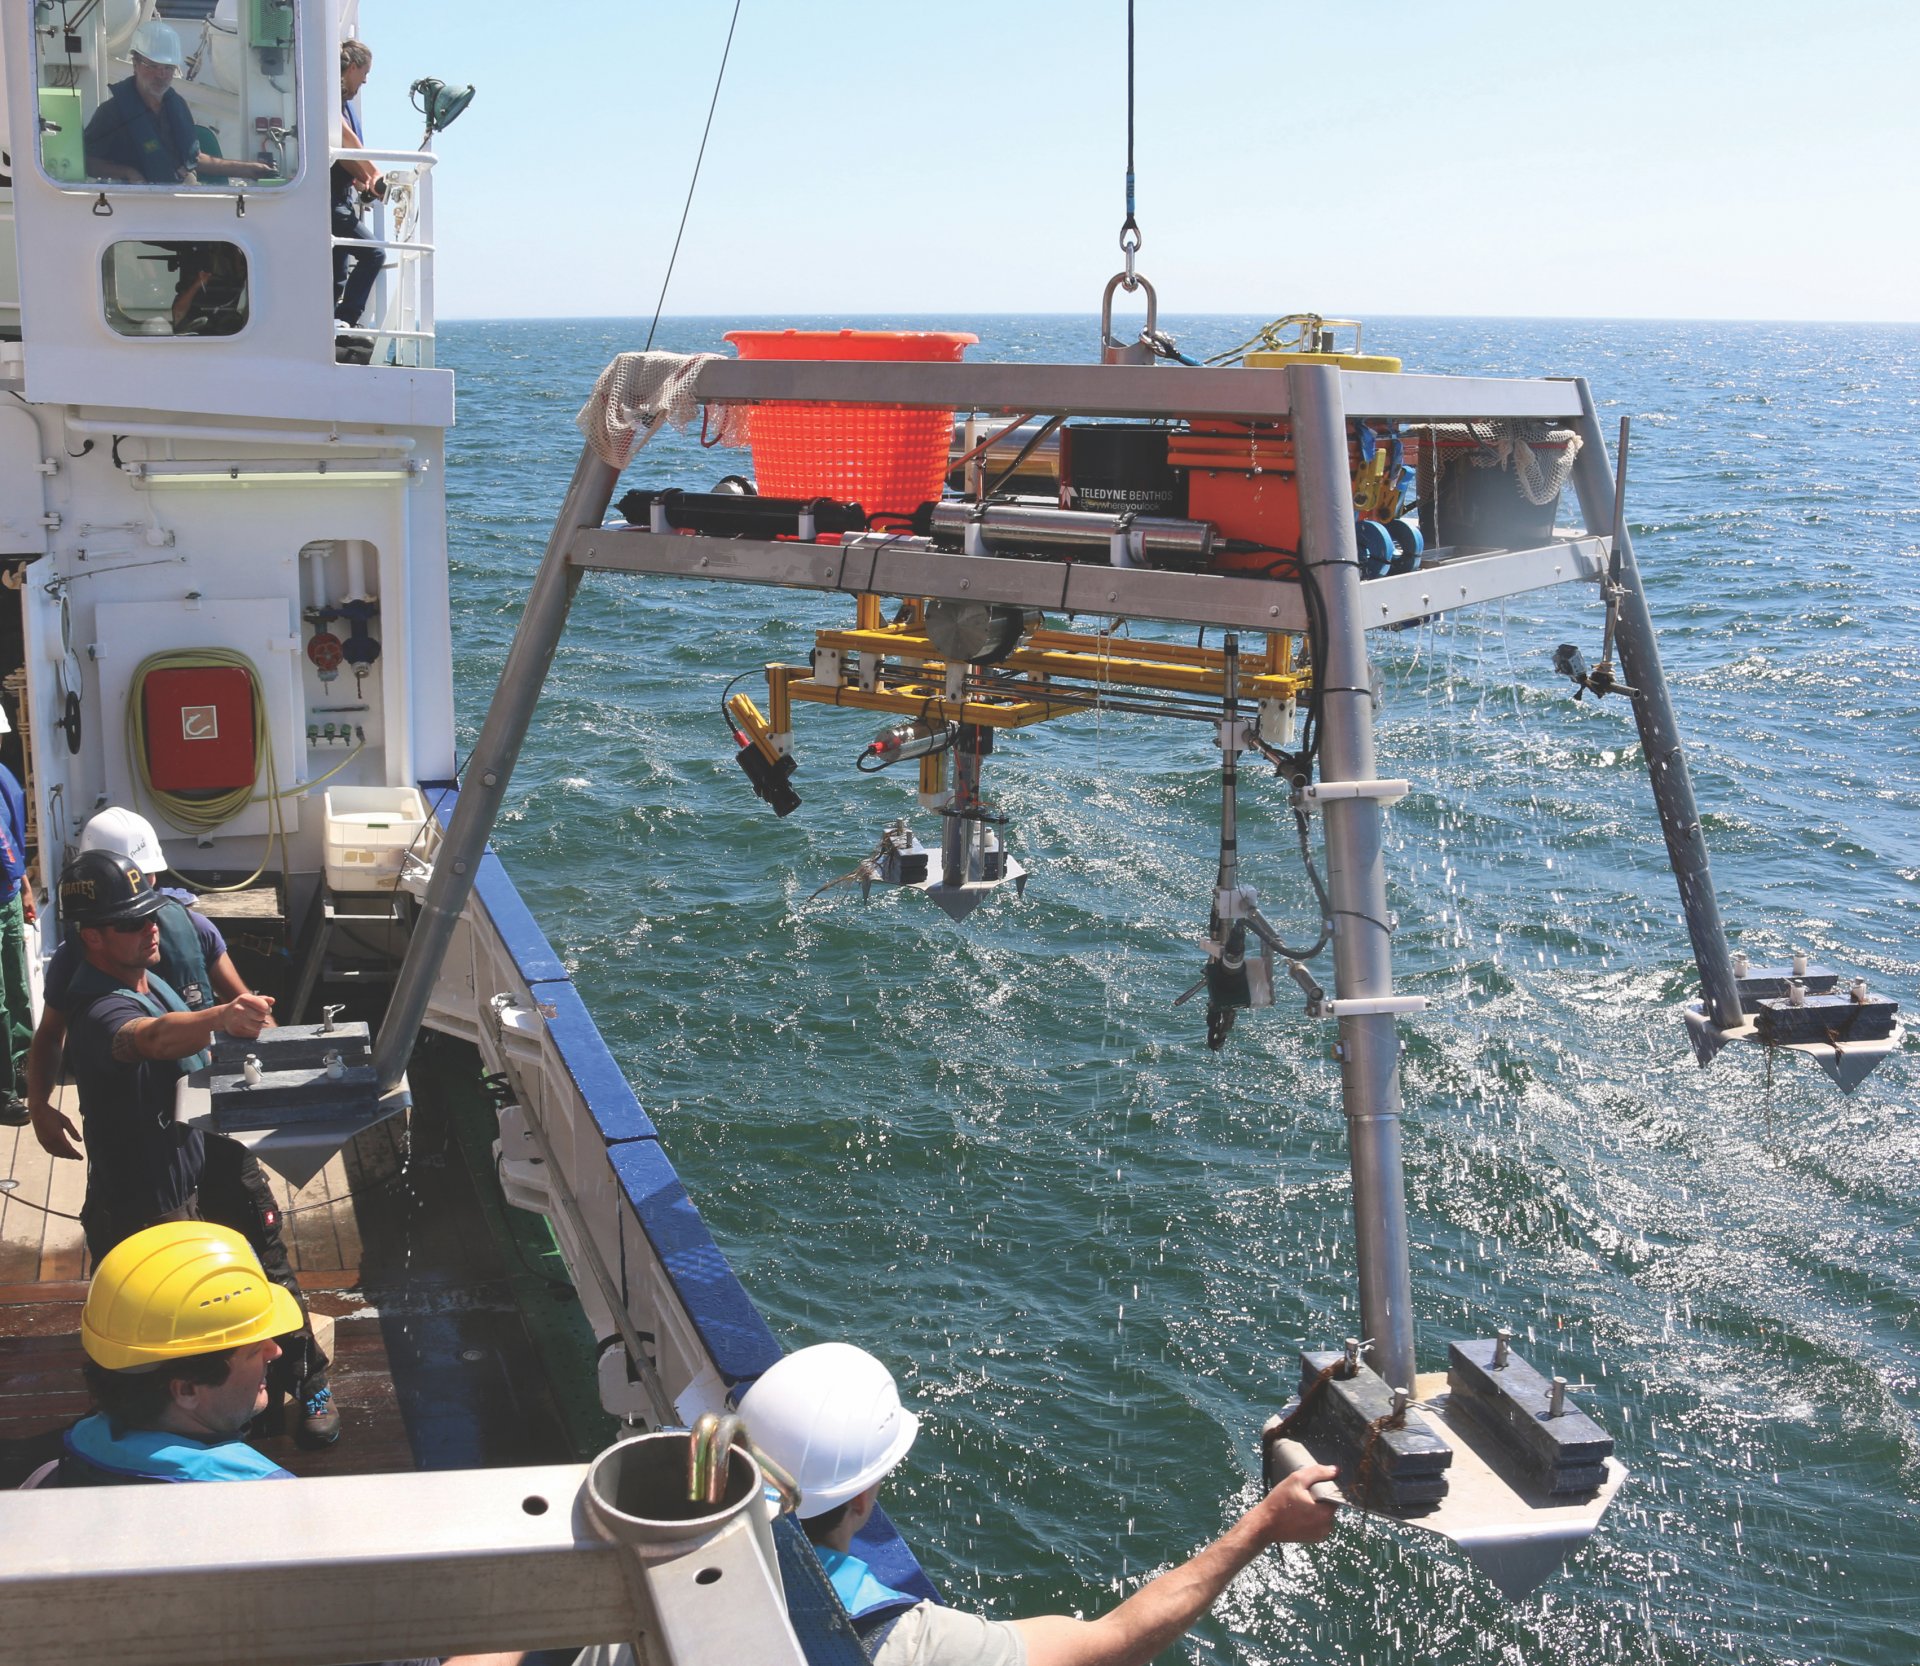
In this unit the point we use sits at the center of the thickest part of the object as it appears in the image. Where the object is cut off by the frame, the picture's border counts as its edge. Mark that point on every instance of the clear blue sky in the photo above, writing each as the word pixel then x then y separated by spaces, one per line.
pixel 1661 158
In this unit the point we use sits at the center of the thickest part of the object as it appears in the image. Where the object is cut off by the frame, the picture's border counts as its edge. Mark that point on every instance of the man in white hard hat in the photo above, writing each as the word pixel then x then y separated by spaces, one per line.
pixel 143 132
pixel 831 1416
pixel 193 959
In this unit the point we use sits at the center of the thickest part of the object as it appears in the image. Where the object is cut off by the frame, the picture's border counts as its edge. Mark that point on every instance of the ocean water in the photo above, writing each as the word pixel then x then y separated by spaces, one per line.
pixel 995 1154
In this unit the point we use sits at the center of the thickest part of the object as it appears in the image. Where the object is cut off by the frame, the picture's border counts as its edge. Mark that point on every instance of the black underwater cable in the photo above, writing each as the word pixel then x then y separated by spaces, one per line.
pixel 725 694
pixel 1296 768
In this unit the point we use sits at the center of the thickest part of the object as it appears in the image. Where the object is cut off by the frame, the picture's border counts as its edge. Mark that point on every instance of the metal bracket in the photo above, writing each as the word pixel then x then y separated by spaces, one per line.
pixel 518 1163
pixel 1367 1007
pixel 228 1576
pixel 1318 793
pixel 1234 734
pixel 510 1019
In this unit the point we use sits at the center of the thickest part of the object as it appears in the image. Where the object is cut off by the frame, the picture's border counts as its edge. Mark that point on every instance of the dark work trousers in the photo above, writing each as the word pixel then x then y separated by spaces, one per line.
pixel 233 1192
pixel 354 270
pixel 16 994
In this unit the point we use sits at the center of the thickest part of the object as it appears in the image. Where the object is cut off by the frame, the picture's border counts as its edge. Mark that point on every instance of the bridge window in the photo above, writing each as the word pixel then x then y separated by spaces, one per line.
pixel 195 96
pixel 174 289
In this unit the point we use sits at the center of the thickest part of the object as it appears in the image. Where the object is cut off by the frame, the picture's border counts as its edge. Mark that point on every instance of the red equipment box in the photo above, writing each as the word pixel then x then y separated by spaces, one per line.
pixel 199 728
pixel 1240 476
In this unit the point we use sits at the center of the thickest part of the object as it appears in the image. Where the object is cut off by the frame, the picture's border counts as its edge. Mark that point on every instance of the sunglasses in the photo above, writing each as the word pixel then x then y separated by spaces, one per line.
pixel 130 929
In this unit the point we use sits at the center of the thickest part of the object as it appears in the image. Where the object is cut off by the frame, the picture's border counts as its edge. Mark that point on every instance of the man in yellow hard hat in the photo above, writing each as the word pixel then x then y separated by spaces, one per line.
pixel 179 1329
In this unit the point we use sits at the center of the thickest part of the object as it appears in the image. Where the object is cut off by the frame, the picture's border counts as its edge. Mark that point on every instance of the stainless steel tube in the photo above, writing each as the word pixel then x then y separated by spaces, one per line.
pixel 490 767
pixel 1356 874
pixel 1641 671
pixel 1013 527
pixel 1016 523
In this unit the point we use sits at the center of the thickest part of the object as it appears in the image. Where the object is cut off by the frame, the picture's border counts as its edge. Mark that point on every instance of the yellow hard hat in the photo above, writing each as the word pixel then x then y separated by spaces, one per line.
pixel 180 1289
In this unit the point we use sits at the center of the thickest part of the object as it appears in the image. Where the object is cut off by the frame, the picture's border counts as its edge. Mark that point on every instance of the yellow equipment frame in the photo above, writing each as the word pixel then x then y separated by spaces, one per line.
pixel 902 672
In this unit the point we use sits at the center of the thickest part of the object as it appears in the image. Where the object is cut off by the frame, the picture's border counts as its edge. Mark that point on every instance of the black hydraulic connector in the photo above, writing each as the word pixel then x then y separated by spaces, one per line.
pixel 1598 680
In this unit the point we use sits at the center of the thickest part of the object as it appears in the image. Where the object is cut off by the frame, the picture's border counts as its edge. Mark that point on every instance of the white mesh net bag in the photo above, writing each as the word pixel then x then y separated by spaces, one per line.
pixel 639 392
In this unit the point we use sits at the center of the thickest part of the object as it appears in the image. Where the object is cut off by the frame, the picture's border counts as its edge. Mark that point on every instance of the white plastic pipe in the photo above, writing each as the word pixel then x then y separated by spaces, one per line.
pixel 357 591
pixel 316 555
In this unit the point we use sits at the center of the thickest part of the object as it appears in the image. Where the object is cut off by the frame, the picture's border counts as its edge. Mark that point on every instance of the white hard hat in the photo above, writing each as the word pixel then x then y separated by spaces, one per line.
pixel 158 43
pixel 126 833
pixel 831 1417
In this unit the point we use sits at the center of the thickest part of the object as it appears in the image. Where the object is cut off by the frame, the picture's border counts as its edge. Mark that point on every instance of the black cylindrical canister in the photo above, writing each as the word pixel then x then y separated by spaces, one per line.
pixel 1120 468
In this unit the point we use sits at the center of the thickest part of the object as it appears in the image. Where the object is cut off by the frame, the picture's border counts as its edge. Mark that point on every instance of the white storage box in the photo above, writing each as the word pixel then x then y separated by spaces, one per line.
pixel 369 830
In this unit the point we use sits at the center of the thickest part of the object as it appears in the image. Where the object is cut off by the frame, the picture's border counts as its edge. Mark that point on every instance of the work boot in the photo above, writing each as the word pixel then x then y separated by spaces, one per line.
pixel 319 1423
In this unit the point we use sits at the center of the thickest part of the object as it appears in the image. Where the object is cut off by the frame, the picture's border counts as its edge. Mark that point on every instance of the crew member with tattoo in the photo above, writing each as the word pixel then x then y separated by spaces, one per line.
pixel 130 1038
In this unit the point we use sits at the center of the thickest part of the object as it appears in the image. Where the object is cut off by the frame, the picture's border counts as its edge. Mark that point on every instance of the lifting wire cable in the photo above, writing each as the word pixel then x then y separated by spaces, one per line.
pixel 1130 238
pixel 1157 341
pixel 687 207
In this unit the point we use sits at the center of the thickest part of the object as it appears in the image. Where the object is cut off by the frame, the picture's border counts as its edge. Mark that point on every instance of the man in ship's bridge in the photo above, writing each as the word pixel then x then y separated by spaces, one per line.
pixel 831 1416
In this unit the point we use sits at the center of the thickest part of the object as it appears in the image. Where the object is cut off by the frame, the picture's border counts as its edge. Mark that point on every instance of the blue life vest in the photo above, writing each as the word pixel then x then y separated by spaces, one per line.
pixel 153 1455
pixel 853 1582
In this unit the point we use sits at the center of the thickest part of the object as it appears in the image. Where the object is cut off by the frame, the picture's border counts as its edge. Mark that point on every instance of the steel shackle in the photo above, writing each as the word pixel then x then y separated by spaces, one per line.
pixel 1127 352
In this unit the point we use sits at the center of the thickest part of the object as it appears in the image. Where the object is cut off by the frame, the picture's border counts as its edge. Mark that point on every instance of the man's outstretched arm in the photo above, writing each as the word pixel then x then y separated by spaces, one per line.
pixel 1165 1607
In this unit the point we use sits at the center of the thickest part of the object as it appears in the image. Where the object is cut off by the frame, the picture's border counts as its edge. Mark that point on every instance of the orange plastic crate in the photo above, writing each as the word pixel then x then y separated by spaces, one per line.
pixel 888 458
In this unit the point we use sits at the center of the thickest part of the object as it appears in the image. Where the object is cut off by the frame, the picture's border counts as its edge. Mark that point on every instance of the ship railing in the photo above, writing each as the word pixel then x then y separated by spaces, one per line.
pixel 403 299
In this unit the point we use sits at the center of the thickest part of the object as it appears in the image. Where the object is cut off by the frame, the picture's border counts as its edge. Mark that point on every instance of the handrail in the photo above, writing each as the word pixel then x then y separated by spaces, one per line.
pixel 403 298
pixel 383 243
pixel 419 158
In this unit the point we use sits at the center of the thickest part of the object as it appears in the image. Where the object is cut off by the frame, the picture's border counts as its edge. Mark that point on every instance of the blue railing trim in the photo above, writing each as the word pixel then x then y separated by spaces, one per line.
pixel 737 1338
pixel 518 929
pixel 596 1073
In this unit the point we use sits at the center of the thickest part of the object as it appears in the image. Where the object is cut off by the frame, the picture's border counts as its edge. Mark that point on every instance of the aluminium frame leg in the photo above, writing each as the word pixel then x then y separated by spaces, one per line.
pixel 1659 731
pixel 490 766
pixel 1356 874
